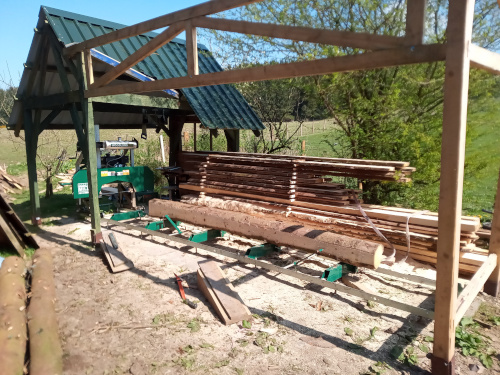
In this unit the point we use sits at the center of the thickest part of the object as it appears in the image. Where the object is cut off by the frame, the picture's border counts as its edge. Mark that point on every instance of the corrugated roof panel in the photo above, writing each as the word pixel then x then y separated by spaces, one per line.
pixel 220 106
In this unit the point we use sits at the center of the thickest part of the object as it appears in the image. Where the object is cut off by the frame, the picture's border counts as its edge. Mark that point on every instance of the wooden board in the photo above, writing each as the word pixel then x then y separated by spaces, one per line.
pixel 116 260
pixel 221 294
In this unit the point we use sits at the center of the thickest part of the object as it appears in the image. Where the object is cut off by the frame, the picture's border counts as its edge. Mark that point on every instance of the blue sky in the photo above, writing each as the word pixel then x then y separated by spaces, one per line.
pixel 19 17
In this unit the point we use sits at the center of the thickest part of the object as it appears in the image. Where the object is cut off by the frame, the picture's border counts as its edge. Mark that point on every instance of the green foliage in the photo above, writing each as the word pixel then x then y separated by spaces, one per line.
pixel 246 324
pixel 149 154
pixel 377 368
pixel 387 114
pixel 495 320
pixel 472 343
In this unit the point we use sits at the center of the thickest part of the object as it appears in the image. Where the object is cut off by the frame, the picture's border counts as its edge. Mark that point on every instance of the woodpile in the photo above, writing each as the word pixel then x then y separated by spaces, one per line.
pixel 302 188
pixel 284 179
pixel 7 182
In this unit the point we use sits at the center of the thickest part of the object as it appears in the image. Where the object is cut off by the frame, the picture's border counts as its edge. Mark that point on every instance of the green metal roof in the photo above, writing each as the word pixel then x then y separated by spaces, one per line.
pixel 221 106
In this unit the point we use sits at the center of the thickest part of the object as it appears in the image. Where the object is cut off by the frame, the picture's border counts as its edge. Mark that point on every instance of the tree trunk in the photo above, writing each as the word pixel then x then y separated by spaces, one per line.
pixel 13 335
pixel 278 232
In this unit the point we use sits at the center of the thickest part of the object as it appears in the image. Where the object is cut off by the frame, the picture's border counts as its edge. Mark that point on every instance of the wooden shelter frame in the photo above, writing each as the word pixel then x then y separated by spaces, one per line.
pixel 458 53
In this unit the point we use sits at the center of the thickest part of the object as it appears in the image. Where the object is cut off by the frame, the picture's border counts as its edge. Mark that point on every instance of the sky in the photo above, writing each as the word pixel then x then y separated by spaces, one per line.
pixel 19 17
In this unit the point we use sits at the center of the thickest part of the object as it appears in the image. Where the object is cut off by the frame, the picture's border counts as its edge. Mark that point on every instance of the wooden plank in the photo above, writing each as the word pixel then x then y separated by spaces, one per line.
pixel 459 32
pixel 204 9
pixel 475 285
pixel 415 21
pixel 10 235
pixel 481 58
pixel 114 258
pixel 192 49
pixel 139 55
pixel 370 60
pixel 18 225
pixel 492 286
pixel 224 292
pixel 304 34
pixel 209 294
pixel 271 267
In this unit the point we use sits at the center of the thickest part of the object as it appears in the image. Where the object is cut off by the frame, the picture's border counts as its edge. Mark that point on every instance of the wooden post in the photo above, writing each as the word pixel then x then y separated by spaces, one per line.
pixel 456 85
pixel 175 139
pixel 324 125
pixel 89 150
pixel 313 127
pixel 303 147
pixel 233 140
pixel 194 136
pixel 191 49
pixel 301 129
pixel 211 142
pixel 31 142
pixel 492 286
pixel 186 137
pixel 415 21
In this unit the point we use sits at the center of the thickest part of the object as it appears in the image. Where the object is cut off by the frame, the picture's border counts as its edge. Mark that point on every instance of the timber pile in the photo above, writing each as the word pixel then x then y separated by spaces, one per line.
pixel 7 182
pixel 348 221
pixel 284 179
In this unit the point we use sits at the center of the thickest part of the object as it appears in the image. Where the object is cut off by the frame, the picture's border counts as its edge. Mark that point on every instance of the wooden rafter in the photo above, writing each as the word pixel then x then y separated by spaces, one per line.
pixel 303 34
pixel 370 60
pixel 415 21
pixel 482 58
pixel 139 55
pixel 204 9
pixel 192 49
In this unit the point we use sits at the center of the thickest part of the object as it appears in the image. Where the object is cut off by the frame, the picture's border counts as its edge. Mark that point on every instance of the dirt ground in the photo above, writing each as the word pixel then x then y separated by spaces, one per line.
pixel 134 322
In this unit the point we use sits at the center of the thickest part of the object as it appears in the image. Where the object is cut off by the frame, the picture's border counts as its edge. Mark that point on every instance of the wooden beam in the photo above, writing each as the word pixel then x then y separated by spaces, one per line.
pixel 460 17
pixel 415 21
pixel 474 287
pixel 89 67
pixel 52 101
pixel 47 120
pixel 369 60
pixel 302 34
pixel 492 286
pixel 204 9
pixel 139 101
pixel 192 50
pixel 481 58
pixel 139 55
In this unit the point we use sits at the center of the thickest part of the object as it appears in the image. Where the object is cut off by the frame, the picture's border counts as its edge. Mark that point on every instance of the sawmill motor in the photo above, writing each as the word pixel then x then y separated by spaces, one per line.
pixel 115 165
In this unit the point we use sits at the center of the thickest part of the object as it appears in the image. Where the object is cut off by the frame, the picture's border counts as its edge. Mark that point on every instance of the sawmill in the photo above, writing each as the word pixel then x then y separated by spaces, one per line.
pixel 88 75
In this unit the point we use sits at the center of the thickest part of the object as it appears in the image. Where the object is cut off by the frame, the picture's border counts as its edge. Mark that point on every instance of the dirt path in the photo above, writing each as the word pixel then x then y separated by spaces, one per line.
pixel 135 322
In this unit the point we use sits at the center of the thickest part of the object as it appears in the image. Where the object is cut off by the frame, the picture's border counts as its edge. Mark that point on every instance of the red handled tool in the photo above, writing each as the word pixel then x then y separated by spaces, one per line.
pixel 183 295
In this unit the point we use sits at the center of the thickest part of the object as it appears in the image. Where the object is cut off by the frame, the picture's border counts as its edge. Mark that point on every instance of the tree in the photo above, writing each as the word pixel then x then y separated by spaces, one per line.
pixel 388 114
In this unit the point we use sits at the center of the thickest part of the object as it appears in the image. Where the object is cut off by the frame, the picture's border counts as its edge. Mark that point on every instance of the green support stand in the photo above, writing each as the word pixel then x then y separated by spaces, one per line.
pixel 165 223
pixel 336 272
pixel 128 215
pixel 262 250
pixel 207 235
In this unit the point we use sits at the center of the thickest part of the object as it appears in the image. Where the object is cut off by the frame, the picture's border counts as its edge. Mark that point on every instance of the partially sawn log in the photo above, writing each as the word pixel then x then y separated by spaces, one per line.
pixel 279 232
pixel 13 333
pixel 45 347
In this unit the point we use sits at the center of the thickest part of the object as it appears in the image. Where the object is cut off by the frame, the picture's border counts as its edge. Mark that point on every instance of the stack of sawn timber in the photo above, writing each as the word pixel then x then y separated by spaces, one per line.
pixel 348 221
pixel 283 179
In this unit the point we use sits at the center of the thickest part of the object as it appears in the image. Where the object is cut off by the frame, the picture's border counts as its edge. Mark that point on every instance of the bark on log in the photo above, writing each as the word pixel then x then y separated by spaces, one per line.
pixel 279 232
pixel 13 334
pixel 45 347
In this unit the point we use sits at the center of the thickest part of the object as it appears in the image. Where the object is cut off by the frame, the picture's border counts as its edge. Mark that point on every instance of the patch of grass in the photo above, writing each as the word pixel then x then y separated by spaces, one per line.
pixel 73 231
pixel 194 325
pixel 17 169
pixel 472 343
pixel 4 253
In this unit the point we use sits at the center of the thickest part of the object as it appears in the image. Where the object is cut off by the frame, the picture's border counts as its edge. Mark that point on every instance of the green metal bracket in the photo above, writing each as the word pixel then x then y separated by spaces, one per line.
pixel 336 272
pixel 262 250
pixel 168 222
pixel 207 235
pixel 165 223
pixel 128 215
